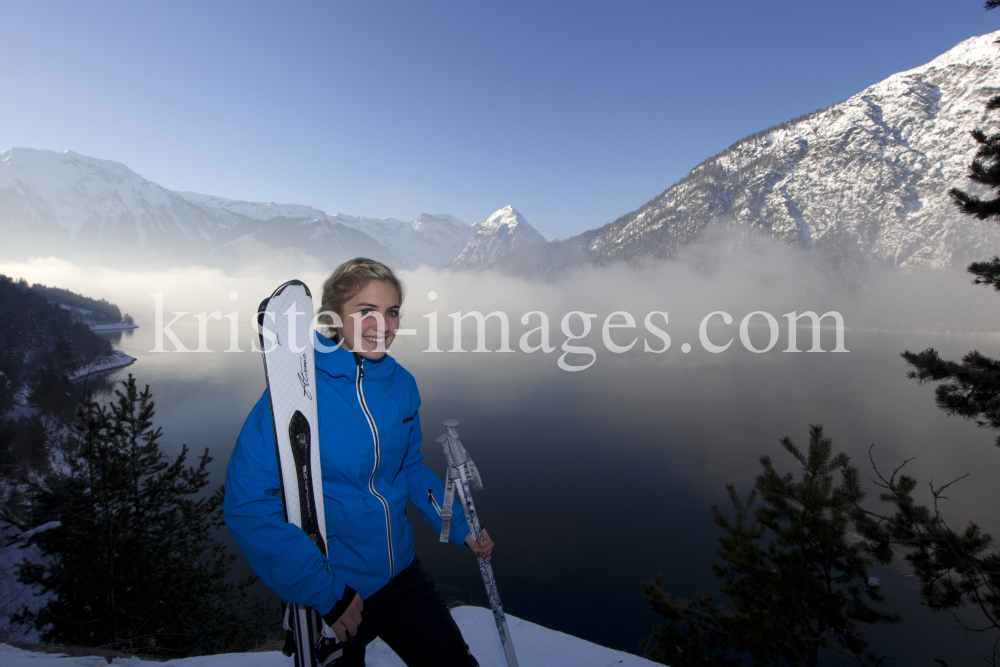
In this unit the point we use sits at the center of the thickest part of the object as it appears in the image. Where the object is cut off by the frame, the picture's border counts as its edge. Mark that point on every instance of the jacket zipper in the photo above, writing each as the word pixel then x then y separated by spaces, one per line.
pixel 430 499
pixel 371 479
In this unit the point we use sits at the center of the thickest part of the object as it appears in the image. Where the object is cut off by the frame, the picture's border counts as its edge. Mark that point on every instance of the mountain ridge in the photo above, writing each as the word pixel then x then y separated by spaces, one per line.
pixel 68 204
pixel 863 181
pixel 432 239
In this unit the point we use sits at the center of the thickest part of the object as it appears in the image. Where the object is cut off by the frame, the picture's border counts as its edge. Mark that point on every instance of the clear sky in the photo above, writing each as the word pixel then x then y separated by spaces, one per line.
pixel 572 112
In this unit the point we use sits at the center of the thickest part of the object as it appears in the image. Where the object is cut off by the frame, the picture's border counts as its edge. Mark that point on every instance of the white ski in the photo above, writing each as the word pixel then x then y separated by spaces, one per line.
pixel 462 477
pixel 286 340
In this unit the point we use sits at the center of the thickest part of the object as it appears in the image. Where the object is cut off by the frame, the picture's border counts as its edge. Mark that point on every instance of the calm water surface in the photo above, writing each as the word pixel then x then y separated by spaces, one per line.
pixel 596 481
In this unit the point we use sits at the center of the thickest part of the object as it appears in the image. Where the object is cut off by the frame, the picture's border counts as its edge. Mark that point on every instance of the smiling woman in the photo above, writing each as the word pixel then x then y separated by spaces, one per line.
pixel 371 320
pixel 370 584
pixel 360 307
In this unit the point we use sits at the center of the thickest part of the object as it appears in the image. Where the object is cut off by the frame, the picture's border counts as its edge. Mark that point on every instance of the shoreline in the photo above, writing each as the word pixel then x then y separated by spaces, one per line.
pixel 117 326
pixel 117 359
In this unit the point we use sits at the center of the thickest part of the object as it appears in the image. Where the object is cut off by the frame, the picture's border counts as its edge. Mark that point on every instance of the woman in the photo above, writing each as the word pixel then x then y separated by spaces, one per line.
pixel 371 585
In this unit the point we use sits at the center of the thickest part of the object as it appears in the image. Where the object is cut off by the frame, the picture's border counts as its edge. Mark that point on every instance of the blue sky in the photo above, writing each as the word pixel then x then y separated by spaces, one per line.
pixel 572 112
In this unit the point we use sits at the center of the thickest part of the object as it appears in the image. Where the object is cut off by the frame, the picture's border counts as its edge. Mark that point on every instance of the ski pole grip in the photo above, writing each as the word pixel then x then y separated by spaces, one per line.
pixel 452 471
pixel 458 457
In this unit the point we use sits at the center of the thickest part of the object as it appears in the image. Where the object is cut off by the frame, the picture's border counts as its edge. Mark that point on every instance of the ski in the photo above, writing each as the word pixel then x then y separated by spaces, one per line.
pixel 285 321
pixel 462 477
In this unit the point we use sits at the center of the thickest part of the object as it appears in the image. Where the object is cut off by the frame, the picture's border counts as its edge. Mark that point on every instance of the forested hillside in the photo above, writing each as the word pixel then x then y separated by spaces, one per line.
pixel 104 312
pixel 35 334
pixel 40 345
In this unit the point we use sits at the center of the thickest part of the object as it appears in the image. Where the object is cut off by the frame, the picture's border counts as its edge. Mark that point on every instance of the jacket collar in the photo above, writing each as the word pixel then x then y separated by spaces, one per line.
pixel 336 361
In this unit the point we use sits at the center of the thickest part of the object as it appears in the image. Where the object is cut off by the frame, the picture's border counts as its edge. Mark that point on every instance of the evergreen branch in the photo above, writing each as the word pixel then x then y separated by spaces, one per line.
pixel 951 567
pixel 795 582
pixel 12 518
pixel 987 273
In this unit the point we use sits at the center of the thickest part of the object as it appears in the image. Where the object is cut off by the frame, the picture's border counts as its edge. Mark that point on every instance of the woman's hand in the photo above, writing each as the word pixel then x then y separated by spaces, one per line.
pixel 347 625
pixel 483 548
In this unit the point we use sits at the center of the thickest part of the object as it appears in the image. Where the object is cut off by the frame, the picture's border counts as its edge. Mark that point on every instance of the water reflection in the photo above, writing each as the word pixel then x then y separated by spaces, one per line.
pixel 116 335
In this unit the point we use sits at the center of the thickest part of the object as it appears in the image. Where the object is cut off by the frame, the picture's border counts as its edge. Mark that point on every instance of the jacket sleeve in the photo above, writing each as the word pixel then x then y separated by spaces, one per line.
pixel 420 480
pixel 280 553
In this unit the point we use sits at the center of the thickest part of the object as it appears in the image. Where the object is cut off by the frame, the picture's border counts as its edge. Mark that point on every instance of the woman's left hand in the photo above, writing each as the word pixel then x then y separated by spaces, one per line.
pixel 483 548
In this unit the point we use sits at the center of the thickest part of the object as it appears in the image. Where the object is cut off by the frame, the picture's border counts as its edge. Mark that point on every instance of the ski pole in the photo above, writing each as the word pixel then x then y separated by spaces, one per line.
pixel 463 476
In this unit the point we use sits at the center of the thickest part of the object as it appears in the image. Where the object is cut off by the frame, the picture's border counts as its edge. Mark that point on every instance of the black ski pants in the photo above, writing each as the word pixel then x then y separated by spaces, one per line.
pixel 411 617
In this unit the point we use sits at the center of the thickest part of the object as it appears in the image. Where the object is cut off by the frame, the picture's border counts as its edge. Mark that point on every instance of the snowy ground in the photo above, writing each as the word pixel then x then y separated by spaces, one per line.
pixel 117 359
pixel 21 407
pixel 536 647
pixel 14 595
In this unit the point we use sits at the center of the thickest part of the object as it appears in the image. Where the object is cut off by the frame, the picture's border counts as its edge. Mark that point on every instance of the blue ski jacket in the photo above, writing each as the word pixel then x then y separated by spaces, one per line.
pixel 369 440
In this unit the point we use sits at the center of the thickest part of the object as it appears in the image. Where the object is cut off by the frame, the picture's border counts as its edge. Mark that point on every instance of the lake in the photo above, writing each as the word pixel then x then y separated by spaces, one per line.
pixel 598 479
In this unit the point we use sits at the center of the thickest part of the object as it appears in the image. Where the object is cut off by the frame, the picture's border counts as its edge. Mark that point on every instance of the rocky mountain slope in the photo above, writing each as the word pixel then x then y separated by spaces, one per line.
pixel 495 237
pixel 863 181
pixel 433 239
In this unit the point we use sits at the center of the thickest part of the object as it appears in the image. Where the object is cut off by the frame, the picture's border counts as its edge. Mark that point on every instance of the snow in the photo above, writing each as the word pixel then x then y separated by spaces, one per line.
pixel 873 171
pixel 117 326
pixel 66 190
pixel 496 236
pixel 28 534
pixel 535 646
pixel 507 217
pixel 869 174
pixel 117 359
pixel 254 210
pixel 87 316
pixel 13 594
pixel 22 406
pixel 433 239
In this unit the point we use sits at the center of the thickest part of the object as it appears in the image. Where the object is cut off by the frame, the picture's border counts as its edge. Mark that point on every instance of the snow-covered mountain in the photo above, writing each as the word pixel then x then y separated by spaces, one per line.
pixel 434 239
pixel 493 238
pixel 71 205
pixel 55 201
pixel 430 239
pixel 865 180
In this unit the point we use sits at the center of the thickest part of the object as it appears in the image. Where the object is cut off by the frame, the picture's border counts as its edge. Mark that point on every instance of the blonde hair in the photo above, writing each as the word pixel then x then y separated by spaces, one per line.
pixel 344 284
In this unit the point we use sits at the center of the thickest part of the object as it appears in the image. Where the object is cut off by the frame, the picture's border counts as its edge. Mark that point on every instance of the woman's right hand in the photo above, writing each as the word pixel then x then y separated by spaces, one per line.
pixel 347 625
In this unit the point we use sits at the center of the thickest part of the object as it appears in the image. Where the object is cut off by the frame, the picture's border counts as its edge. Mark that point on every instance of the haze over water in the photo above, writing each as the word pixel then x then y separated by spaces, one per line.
pixel 599 479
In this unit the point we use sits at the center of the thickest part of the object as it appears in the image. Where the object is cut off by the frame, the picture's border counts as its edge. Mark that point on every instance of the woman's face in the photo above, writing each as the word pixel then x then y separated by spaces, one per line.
pixel 370 320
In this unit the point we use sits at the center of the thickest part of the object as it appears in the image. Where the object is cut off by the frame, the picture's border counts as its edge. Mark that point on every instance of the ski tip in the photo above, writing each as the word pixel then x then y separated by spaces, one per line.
pixel 262 308
pixel 441 438
pixel 291 283
pixel 450 423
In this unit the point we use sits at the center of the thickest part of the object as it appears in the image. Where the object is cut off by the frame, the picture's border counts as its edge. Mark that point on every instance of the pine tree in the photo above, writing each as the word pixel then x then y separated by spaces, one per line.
pixel 135 565
pixel 954 567
pixel 971 389
pixel 796 582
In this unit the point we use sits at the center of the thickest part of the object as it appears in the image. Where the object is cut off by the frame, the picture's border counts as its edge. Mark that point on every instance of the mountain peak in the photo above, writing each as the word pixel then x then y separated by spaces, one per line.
pixel 496 236
pixel 505 217
pixel 973 50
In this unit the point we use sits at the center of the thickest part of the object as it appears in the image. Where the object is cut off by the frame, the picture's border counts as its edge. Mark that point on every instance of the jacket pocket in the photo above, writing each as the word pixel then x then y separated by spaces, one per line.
pixel 336 517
